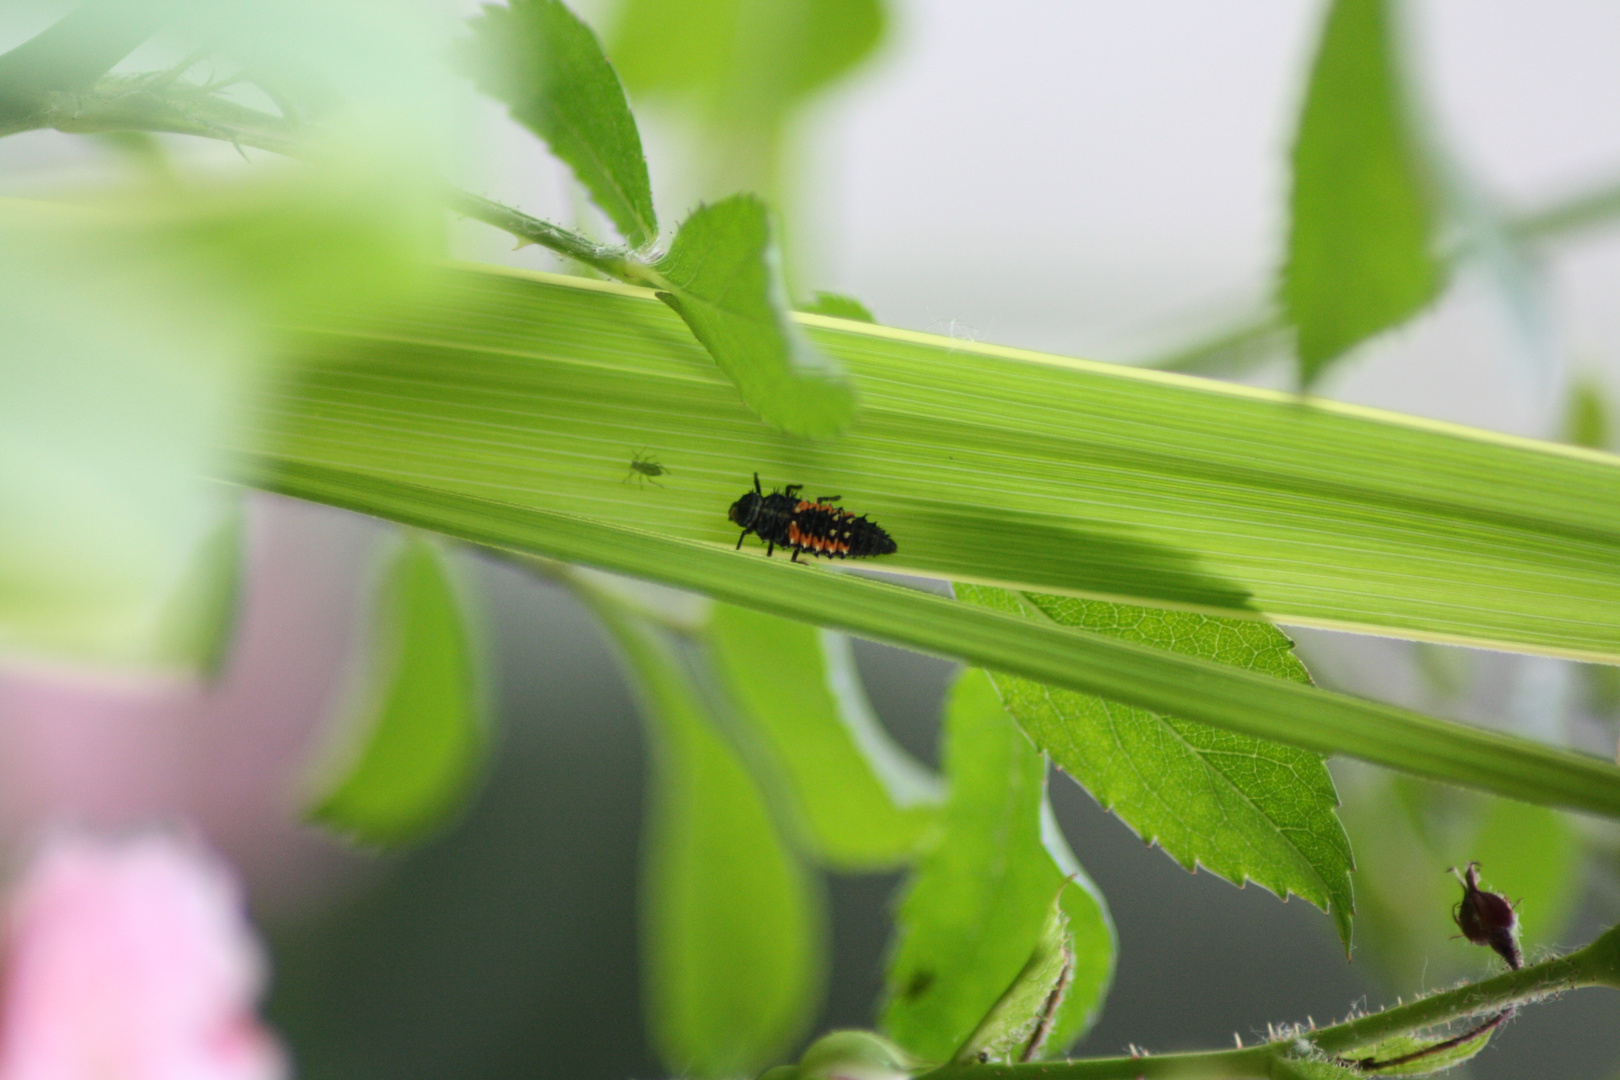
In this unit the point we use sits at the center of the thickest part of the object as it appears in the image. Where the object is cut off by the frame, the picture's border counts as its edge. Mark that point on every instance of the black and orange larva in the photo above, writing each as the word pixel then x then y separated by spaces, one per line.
pixel 783 519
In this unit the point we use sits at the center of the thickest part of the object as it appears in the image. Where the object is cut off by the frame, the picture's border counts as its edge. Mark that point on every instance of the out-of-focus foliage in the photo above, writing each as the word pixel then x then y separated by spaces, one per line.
pixel 1245 808
pixel 861 802
pixel 742 67
pixel 733 934
pixel 975 909
pixel 423 735
pixel 135 325
pixel 1586 416
pixel 838 306
pixel 1361 255
pixel 1406 833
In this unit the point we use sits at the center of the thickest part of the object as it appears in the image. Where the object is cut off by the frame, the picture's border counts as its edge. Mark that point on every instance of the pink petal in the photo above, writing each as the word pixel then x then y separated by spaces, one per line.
pixel 131 960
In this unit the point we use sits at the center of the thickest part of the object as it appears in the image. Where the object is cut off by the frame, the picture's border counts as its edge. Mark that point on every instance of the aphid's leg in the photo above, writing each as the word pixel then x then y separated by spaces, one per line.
pixel 740 539
pixel 792 490
pixel 828 498
pixel 756 485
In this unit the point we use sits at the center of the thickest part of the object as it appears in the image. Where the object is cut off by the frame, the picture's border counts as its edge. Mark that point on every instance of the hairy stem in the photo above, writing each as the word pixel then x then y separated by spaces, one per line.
pixel 1596 965
pixel 156 103
pixel 614 261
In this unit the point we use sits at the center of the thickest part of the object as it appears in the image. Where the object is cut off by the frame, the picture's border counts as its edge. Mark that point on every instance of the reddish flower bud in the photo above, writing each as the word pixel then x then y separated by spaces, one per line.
pixel 1486 918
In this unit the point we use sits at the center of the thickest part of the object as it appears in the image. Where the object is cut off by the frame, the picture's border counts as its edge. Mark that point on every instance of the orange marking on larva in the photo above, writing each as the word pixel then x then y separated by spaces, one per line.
pixel 793 532
pixel 804 504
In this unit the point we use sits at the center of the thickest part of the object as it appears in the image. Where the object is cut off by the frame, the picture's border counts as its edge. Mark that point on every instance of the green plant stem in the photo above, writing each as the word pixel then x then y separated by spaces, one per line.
pixel 1577 213
pixel 157 103
pixel 1598 964
pixel 616 262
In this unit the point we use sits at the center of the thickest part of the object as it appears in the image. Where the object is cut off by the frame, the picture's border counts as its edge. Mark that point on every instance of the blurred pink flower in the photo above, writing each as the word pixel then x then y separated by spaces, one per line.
pixel 131 959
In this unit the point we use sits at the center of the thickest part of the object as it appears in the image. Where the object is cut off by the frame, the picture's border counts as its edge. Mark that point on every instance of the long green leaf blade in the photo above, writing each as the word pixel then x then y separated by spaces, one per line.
pixel 425 744
pixel 731 923
pixel 1247 809
pixel 974 909
pixel 986 464
pixel 1361 247
pixel 546 65
pixel 864 804
pixel 725 281
pixel 1215 694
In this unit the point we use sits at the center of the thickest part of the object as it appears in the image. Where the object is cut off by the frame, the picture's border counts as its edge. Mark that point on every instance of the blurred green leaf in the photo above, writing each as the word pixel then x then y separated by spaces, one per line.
pixel 1244 808
pixel 974 910
pixel 135 326
pixel 863 803
pixel 76 50
pixel 742 62
pixel 725 281
pixel 1248 702
pixel 1586 415
pixel 423 747
pixel 847 1055
pixel 732 927
pixel 538 58
pixel 838 306
pixel 1361 246
pixel 1533 856
pixel 199 625
pixel 1600 687
pixel 1407 833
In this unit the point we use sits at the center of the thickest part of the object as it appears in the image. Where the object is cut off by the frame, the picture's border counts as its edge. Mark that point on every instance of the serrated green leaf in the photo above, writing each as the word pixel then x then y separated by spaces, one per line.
pixel 732 928
pixel 975 908
pixel 742 62
pixel 547 66
pixel 838 306
pixel 423 747
pixel 863 803
pixel 1401 1046
pixel 725 281
pixel 1361 243
pixel 1243 701
pixel 1244 808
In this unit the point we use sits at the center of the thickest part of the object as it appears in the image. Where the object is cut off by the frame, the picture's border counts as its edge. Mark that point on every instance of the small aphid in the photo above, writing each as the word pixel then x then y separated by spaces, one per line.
pixel 1486 918
pixel 644 470
pixel 783 519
